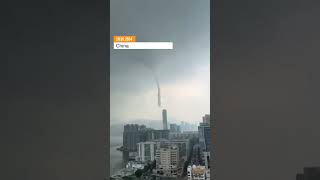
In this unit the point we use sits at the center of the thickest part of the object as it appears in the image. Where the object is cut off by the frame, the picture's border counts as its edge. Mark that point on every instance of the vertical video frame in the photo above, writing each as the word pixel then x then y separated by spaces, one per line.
pixel 160 122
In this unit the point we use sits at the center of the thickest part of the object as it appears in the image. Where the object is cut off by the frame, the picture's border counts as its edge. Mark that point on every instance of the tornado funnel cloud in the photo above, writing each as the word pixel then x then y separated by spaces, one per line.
pixel 155 79
pixel 158 87
pixel 159 94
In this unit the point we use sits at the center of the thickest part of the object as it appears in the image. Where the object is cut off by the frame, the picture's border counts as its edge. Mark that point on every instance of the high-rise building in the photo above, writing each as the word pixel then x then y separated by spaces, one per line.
pixel 197 155
pixel 131 137
pixel 206 119
pixel 184 135
pixel 134 134
pixel 182 144
pixel 206 157
pixel 152 134
pixel 178 129
pixel 167 160
pixel 205 134
pixel 161 134
pixel 146 151
pixel 164 119
pixel 174 128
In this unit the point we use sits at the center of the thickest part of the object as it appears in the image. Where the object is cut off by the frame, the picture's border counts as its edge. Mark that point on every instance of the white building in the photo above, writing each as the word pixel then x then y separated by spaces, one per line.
pixel 198 173
pixel 134 165
pixel 167 160
pixel 182 144
pixel 146 151
pixel 208 173
pixel 189 174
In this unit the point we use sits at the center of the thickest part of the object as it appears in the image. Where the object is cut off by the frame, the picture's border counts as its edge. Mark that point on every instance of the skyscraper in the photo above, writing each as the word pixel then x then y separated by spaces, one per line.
pixel 131 137
pixel 133 134
pixel 164 119
pixel 206 119
pixel 205 134
pixel 206 156
pixel 174 128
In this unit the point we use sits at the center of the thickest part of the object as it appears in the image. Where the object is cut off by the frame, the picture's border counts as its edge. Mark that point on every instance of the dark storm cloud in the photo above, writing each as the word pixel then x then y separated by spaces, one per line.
pixel 185 23
pixel 133 72
pixel 266 90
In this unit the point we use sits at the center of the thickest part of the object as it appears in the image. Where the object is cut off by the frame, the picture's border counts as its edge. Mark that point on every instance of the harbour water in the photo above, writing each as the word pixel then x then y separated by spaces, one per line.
pixel 117 159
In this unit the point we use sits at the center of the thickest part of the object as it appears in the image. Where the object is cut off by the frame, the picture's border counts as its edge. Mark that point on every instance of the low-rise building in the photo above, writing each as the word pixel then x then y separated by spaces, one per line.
pixel 198 173
pixel 134 165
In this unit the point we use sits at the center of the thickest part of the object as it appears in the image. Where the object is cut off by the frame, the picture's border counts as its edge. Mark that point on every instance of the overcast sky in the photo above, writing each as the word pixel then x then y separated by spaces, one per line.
pixel 183 73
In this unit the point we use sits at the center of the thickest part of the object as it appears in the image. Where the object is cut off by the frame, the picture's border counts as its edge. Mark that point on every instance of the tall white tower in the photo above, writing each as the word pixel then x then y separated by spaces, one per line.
pixel 164 119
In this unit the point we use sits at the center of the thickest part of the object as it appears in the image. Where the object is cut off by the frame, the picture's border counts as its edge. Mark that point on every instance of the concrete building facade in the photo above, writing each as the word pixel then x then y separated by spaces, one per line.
pixel 146 151
pixel 167 160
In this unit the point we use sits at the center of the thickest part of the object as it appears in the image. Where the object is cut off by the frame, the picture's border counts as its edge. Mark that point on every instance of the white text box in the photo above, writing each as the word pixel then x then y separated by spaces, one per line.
pixel 142 45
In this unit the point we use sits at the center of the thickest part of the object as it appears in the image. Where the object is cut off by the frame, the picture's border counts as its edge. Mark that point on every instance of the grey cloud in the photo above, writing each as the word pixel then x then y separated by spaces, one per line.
pixel 186 23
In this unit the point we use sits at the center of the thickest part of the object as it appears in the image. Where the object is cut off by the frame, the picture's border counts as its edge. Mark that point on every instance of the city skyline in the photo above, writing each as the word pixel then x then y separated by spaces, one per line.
pixel 165 152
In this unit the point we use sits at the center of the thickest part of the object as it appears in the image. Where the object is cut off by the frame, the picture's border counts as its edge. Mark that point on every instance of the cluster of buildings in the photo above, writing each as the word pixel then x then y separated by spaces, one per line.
pixel 169 148
pixel 199 168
